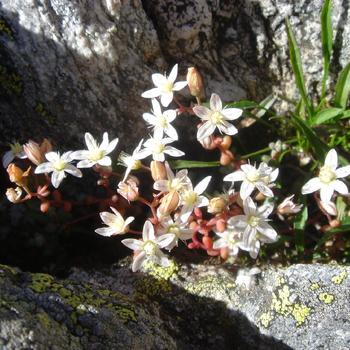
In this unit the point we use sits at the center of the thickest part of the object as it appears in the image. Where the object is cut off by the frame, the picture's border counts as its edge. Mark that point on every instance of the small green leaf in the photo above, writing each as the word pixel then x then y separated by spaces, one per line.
pixel 342 88
pixel 299 227
pixel 295 59
pixel 244 104
pixel 181 164
pixel 325 115
pixel 318 146
pixel 346 114
pixel 327 41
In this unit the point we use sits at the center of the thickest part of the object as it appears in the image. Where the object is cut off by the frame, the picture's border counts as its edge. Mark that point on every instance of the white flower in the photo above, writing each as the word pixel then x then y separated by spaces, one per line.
pixel 246 277
pixel 58 165
pixel 216 117
pixel 115 222
pixel 254 226
pixel 157 148
pixel 16 151
pixel 131 162
pixel 191 198
pixel 165 87
pixel 178 182
pixel 252 177
pixel 329 207
pixel 95 154
pixel 230 239
pixel 148 249
pixel 177 229
pixel 161 121
pixel 327 181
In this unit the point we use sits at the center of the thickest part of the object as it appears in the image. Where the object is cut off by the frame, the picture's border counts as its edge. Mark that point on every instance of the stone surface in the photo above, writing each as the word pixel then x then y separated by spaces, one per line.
pixel 68 66
pixel 181 307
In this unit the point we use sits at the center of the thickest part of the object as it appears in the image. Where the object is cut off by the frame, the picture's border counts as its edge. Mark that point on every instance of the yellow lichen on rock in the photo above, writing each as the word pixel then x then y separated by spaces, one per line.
pixel 326 298
pixel 339 279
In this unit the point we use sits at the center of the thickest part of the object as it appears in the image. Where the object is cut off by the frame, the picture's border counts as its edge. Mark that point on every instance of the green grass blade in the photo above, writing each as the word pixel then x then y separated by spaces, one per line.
pixel 320 149
pixel 327 41
pixel 342 88
pixel 325 115
pixel 243 104
pixel 295 60
pixel 299 227
pixel 181 164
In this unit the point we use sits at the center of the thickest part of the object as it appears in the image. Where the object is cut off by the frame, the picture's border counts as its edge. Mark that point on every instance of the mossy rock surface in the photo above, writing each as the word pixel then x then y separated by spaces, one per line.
pixel 181 307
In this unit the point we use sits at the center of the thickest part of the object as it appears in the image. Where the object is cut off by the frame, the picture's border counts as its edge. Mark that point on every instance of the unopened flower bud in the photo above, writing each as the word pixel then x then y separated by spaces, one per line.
pixel 195 83
pixel 36 153
pixel 43 191
pixel 226 158
pixel 208 242
pixel 224 253
pixel 260 197
pixel 226 142
pixel 14 194
pixel 45 206
pixel 334 223
pixel 217 205
pixel 158 170
pixel 129 190
pixel 169 203
pixel 17 175
pixel 221 225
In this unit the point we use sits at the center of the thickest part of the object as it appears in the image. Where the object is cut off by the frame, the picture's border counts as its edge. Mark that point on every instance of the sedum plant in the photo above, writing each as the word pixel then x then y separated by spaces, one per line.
pixel 250 209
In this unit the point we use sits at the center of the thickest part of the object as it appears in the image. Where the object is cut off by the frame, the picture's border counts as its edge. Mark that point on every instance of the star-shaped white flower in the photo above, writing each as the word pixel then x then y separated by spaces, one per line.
pixel 178 182
pixel 327 180
pixel 158 148
pixel 177 229
pixel 230 239
pixel 59 166
pixel 216 117
pixel 191 198
pixel 16 151
pixel 161 121
pixel 95 154
pixel 148 249
pixel 165 87
pixel 131 161
pixel 116 225
pixel 254 226
pixel 261 178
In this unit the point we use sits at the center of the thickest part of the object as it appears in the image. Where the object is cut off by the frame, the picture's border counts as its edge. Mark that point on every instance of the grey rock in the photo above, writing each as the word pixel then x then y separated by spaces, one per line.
pixel 69 66
pixel 185 306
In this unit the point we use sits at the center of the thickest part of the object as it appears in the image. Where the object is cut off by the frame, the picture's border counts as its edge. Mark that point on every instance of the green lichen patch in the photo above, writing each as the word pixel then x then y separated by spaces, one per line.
pixel 10 82
pixel 315 286
pixel 5 28
pixel 339 279
pixel 326 298
pixel 7 271
pixel 281 304
pixel 43 113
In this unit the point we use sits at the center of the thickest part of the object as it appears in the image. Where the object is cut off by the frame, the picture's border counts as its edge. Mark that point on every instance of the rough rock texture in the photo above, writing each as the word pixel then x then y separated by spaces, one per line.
pixel 69 66
pixel 181 307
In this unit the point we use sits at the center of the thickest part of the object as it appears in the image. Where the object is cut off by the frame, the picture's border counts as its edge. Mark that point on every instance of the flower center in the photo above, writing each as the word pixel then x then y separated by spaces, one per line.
pixel 16 148
pixel 118 226
pixel 162 121
pixel 253 175
pixel 190 197
pixel 167 86
pixel 158 148
pixel 216 118
pixel 327 175
pixel 173 229
pixel 149 248
pixel 96 154
pixel 253 221
pixel 59 165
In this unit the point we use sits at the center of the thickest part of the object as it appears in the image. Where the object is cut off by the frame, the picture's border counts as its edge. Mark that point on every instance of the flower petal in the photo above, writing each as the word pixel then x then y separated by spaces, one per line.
pixel 156 107
pixel 159 79
pixel 7 158
pixel 164 240
pixel 90 142
pixel 246 189
pixel 312 185
pixel 171 132
pixel 57 177
pixel 202 112
pixel 172 151
pixel 148 231
pixel 132 243
pixel 205 130
pixel 265 190
pixel 202 201
pixel 235 176
pixel 52 156
pixel 109 218
pixel 267 233
pixel 202 185
pixel 326 192
pixel 340 187
pixel 150 118
pixel 227 128
pixel 106 231
pixel 139 259
pixel 86 163
pixel 220 243
pixel 43 168
pixel 161 185
pixel 249 206
pixel 111 146
pixel 152 93
pixel 170 115
pixel 173 74
pixel 83 154
pixel 166 98
pixel 179 85
pixel 71 169
pixel 105 161
pixel 343 171
pixel 231 113
pixel 128 221
pixel 215 102
pixel 105 141
pixel 332 159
